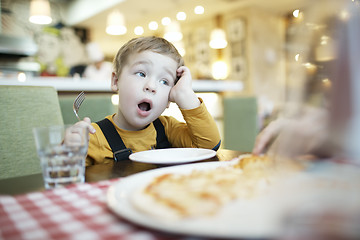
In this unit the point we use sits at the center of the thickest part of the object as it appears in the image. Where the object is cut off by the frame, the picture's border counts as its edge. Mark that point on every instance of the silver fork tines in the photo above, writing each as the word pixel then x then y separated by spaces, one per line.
pixel 77 103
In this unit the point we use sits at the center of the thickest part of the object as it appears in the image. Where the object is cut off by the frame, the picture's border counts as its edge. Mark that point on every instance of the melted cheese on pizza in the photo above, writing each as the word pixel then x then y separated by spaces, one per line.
pixel 204 192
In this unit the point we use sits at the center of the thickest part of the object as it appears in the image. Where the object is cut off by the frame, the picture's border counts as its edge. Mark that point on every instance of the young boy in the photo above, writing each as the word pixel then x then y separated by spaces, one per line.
pixel 149 73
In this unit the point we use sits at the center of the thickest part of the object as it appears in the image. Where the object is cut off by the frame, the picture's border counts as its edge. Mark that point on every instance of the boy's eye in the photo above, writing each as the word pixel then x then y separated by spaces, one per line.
pixel 140 74
pixel 164 81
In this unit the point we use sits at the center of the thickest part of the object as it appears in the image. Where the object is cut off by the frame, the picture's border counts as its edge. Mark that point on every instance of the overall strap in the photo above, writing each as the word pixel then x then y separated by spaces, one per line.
pixel 161 139
pixel 121 152
pixel 116 143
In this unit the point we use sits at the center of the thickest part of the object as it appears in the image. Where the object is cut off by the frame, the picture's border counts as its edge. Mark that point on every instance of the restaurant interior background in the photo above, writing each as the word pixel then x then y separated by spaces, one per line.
pixel 244 84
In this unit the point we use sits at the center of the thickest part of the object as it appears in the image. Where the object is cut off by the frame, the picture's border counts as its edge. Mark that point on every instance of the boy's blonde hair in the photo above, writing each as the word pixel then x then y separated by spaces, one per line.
pixel 138 45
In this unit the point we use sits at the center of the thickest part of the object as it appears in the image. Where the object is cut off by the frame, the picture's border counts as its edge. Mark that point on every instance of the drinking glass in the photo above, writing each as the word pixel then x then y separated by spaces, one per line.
pixel 62 151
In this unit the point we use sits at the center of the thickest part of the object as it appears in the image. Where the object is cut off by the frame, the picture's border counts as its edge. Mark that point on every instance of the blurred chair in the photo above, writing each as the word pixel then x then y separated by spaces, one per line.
pixel 96 106
pixel 21 109
pixel 240 123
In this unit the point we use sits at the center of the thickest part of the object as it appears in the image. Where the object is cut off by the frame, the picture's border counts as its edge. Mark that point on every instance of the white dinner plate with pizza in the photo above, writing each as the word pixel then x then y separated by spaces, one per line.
pixel 328 185
pixel 248 220
pixel 172 155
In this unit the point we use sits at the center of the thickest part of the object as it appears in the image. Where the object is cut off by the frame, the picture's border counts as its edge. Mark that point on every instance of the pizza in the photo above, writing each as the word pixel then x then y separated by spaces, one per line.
pixel 204 192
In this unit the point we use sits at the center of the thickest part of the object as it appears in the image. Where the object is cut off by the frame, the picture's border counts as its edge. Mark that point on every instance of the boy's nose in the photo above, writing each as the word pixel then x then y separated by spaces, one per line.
pixel 150 86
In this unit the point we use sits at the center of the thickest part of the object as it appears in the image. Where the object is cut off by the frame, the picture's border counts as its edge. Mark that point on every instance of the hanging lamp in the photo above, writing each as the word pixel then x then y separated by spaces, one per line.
pixel 116 23
pixel 40 12
pixel 218 36
pixel 173 32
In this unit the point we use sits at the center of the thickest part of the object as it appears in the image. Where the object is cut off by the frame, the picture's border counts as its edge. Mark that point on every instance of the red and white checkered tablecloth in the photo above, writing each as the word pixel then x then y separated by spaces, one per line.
pixel 75 212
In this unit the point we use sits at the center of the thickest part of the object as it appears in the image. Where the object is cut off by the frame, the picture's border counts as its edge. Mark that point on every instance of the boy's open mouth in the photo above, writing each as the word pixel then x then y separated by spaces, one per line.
pixel 144 106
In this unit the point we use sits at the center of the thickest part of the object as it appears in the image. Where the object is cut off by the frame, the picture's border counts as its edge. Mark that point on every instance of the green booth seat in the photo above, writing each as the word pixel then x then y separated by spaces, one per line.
pixel 240 123
pixel 96 106
pixel 21 109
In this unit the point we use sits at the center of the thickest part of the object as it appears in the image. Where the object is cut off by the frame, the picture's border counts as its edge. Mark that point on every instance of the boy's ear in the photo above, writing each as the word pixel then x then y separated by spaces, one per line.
pixel 114 82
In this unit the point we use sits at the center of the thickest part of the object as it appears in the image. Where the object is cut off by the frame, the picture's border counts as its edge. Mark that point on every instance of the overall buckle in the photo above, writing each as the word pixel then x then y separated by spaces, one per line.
pixel 122 154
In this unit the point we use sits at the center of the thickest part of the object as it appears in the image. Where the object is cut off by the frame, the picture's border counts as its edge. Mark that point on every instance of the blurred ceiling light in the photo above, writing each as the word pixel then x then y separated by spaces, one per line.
pixel 219 70
pixel 218 39
pixel 153 25
pixel 116 23
pixel 173 32
pixel 199 10
pixel 138 30
pixel 181 16
pixel 309 65
pixel 326 50
pixel 218 36
pixel 165 21
pixel 315 26
pixel 310 68
pixel 326 82
pixel 296 13
pixel 40 12
pixel 344 15
pixel 324 40
pixel 297 57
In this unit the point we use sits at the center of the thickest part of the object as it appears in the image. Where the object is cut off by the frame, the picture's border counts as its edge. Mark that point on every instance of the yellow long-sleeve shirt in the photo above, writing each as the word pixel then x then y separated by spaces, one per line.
pixel 199 131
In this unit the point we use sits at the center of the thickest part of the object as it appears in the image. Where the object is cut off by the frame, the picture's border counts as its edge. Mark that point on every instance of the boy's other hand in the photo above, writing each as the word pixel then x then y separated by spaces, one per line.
pixel 182 93
pixel 73 134
pixel 86 123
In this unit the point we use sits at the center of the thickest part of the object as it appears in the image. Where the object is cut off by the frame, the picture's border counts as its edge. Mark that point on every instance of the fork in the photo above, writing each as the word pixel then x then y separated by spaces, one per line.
pixel 77 103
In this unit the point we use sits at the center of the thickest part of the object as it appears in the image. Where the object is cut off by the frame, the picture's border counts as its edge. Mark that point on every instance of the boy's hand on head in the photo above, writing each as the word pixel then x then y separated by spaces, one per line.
pixel 182 93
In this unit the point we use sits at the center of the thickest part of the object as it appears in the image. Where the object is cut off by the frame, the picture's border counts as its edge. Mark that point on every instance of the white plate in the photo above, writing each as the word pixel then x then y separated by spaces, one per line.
pixel 252 218
pixel 172 155
pixel 247 221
